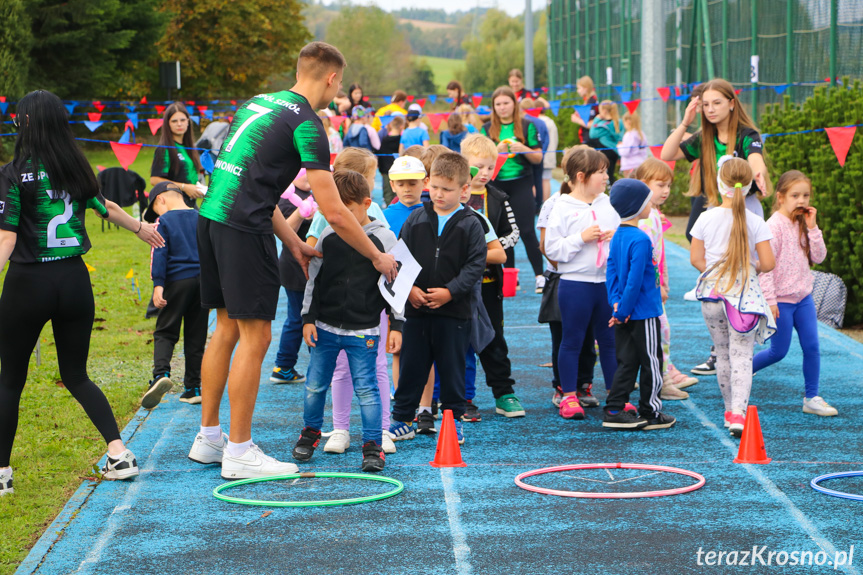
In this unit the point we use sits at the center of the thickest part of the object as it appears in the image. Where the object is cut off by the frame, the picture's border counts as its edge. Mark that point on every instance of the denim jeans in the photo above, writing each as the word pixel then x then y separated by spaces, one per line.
pixel 292 332
pixel 362 354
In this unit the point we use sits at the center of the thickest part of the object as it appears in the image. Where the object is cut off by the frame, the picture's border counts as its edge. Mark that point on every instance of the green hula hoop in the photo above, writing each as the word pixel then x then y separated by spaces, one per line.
pixel 399 487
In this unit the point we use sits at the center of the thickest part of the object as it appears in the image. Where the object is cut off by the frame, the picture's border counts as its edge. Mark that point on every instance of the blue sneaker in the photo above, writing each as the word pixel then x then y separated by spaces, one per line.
pixel 458 433
pixel 291 375
pixel 401 430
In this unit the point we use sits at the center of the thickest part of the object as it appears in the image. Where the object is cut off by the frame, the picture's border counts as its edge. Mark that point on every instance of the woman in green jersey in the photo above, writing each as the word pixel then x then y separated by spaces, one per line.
pixel 176 160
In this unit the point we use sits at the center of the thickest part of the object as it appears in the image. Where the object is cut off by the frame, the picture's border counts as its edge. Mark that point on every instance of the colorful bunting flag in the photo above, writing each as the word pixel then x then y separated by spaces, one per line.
pixel 207 162
pixel 476 99
pixel 133 118
pixel 90 268
pixel 144 101
pixel 498 164
pixel 632 105
pixel 202 109
pixel 432 98
pixel 3 107
pixel 840 140
pixel 421 102
pixel 385 120
pixel 2 98
pixel 126 153
pixel 130 274
pixel 535 112
pixel 126 137
pixel 436 120
pixel 410 98
pixel 336 121
pixel 190 102
pixel 196 119
pixel 657 152
pixel 99 105
pixel 155 124
pixel 70 108
pixel 449 100
pixel 584 112
pixel 664 93
pixel 94 116
pixel 93 126
pixel 555 106
pixel 781 89
pixel 208 114
pixel 333 159
pixel 129 125
pixel 159 109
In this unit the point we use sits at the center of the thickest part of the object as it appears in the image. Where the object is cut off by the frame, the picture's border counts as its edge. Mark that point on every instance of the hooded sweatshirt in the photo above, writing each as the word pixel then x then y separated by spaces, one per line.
pixel 577 260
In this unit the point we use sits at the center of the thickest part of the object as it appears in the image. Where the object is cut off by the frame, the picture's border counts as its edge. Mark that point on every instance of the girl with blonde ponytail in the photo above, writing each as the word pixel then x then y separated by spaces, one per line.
pixel 730 246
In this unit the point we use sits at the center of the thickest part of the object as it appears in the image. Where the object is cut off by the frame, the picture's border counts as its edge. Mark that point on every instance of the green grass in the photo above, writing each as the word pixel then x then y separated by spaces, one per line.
pixel 56 445
pixel 444 70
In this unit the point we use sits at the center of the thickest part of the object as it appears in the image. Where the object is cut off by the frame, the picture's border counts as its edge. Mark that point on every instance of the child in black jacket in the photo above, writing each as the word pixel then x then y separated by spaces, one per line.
pixel 449 244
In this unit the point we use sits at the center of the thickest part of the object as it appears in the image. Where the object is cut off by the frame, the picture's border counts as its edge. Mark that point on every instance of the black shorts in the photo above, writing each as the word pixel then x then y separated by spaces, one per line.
pixel 239 271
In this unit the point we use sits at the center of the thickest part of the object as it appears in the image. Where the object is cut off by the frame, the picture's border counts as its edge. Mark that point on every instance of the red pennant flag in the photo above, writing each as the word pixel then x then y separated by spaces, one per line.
pixel 436 120
pixel 94 116
pixel 333 158
pixel 336 121
pixel 664 93
pixel 535 112
pixel 144 100
pixel 190 102
pixel 230 119
pixel 410 98
pixel 202 109
pixel 13 116
pixel 99 106
pixel 738 90
pixel 233 102
pixel 827 80
pixel 840 139
pixel 160 109
pixel 100 168
pixel 498 164
pixel 657 151
pixel 477 100
pixel 421 102
pixel 129 126
pixel 677 90
pixel 126 153
pixel 155 124
pixel 632 105
pixel 3 99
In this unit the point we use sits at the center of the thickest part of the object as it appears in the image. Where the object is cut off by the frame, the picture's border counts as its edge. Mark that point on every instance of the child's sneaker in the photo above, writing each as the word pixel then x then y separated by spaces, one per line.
pixel 570 408
pixel 254 463
pixel 387 442
pixel 630 408
pixel 459 433
pixel 818 406
pixel 557 396
pixel 425 425
pixel 400 430
pixel 671 393
pixel 206 451
pixel 706 368
pixel 508 405
pixel 6 483
pixel 435 409
pixel 306 444
pixel 191 396
pixel 291 375
pixel 727 419
pixel 157 390
pixel 623 420
pixel 471 414
pixel 585 397
pixel 675 377
pixel 338 442
pixel 373 457
pixel 124 466
pixel 735 424
pixel 661 421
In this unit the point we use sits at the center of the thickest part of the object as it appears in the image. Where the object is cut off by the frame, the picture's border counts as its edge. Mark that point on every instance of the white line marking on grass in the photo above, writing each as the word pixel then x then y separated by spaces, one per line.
pixel 115 519
pixel 459 540
pixel 773 490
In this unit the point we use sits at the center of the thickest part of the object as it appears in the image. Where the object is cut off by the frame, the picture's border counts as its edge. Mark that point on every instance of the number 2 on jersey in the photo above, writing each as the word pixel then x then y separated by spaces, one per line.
pixel 259 112
pixel 57 221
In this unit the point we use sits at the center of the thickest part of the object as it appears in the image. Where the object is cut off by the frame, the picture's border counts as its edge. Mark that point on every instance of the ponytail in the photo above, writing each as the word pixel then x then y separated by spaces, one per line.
pixel 735 179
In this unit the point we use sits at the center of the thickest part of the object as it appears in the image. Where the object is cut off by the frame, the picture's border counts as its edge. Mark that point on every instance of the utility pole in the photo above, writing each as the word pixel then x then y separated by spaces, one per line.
pixel 653 70
pixel 528 45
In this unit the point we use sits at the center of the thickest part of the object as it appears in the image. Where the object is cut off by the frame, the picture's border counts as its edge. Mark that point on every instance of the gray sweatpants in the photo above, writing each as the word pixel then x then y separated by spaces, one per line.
pixel 733 357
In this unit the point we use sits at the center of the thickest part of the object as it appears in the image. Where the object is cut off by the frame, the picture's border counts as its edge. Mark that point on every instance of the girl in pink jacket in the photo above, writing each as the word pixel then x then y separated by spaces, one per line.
pixel 797 244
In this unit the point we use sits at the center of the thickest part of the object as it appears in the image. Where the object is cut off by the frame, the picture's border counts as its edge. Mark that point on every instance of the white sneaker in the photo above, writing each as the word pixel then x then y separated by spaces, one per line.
pixel 154 395
pixel 338 442
pixel 124 466
pixel 205 451
pixel 387 443
pixel 818 406
pixel 6 483
pixel 671 393
pixel 690 295
pixel 540 283
pixel 254 463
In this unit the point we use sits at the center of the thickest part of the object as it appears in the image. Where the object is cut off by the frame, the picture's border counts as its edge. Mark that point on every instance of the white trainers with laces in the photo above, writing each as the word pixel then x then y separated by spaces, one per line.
pixel 387 443
pixel 338 442
pixel 540 284
pixel 254 463
pixel 124 466
pixel 690 295
pixel 6 482
pixel 818 406
pixel 206 451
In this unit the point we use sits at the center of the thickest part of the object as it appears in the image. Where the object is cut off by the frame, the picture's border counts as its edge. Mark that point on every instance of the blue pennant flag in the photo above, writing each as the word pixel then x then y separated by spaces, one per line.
pixel 626 95
pixel 207 162
pixel 386 119
pixel 449 100
pixel 619 89
pixel 555 106
pixel 3 107
pixel 388 99
pixel 682 97
pixel 584 112
pixel 92 126
pixel 196 119
pixel 781 89
pixel 561 92
pixel 133 117
pixel 126 137
pixel 69 108
pixel 432 98
pixel 131 107
pixel 208 114
pixel 214 102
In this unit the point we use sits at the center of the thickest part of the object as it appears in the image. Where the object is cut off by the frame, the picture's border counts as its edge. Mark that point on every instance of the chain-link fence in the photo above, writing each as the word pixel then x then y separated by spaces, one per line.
pixel 799 44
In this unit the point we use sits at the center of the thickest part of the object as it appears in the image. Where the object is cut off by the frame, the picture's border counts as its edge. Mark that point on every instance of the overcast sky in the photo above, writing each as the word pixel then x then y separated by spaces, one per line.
pixel 511 6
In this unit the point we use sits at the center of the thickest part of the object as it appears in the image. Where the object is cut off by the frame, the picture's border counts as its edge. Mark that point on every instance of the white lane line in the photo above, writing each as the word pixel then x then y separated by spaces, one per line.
pixel 772 490
pixel 117 516
pixel 840 343
pixel 459 539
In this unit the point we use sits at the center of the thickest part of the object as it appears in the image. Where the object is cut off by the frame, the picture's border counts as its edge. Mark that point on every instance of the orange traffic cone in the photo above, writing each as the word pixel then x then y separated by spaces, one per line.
pixel 448 452
pixel 752 442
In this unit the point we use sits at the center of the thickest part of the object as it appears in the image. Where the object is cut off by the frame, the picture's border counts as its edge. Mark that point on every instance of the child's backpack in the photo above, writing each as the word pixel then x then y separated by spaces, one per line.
pixel 830 295
pixel 357 137
pixel 213 137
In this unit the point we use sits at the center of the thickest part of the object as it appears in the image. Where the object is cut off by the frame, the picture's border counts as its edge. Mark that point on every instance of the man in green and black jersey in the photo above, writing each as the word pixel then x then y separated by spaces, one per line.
pixel 271 137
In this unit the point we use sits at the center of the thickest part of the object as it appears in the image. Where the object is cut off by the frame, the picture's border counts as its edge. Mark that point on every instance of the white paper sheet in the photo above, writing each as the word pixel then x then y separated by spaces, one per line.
pixel 396 293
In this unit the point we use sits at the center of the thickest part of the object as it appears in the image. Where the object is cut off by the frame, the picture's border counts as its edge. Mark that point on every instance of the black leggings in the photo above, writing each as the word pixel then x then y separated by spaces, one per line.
pixel 34 294
pixel 521 199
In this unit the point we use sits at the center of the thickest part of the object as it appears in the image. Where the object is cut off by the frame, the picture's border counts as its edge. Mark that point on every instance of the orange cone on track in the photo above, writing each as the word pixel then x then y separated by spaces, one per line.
pixel 448 453
pixel 752 442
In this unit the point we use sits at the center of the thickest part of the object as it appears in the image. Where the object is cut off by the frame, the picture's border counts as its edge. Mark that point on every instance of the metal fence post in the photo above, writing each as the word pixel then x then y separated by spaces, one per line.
pixel 725 39
pixel 789 42
pixel 653 70
pixel 754 53
pixel 834 22
pixel 708 46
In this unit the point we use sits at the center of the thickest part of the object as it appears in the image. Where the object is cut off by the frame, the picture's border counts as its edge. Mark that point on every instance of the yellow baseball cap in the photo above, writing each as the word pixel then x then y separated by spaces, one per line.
pixel 407 168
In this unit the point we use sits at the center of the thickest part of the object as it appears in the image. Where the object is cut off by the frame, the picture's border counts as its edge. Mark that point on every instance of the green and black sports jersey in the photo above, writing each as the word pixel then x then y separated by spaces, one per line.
pixel 271 137
pixel 49 225
pixel 161 167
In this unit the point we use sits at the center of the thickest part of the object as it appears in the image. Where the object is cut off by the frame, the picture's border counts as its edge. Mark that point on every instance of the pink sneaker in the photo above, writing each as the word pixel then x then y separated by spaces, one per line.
pixel 570 408
pixel 630 407
pixel 728 415
pixel 736 422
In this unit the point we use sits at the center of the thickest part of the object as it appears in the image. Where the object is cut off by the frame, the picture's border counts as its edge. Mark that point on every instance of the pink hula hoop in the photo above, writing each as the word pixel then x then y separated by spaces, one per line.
pixel 630 495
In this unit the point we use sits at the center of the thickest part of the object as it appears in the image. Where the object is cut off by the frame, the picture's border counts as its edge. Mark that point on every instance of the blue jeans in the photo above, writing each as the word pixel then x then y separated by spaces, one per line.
pixel 292 332
pixel 802 317
pixel 361 352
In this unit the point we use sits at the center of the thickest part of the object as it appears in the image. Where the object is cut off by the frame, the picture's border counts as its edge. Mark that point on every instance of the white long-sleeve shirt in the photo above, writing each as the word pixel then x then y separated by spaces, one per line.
pixel 563 243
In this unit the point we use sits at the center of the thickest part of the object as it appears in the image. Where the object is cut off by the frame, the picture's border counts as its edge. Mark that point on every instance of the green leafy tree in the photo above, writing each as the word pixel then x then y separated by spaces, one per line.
pixel 378 54
pixel 231 47
pixel 421 80
pixel 15 41
pixel 89 48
